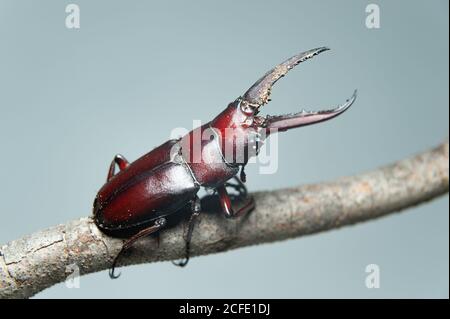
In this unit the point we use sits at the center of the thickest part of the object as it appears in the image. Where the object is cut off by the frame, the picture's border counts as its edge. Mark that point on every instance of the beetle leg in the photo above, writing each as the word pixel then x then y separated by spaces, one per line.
pixel 121 161
pixel 159 223
pixel 158 239
pixel 239 187
pixel 227 209
pixel 196 208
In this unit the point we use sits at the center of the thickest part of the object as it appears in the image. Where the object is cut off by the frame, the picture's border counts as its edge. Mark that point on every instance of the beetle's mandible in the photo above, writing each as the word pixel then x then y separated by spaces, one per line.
pixel 148 194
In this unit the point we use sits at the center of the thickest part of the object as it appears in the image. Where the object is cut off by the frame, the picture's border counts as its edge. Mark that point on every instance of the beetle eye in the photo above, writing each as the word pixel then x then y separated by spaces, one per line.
pixel 247 108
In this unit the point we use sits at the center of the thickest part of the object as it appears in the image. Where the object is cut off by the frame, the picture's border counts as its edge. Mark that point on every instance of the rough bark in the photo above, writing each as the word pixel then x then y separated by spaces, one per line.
pixel 35 262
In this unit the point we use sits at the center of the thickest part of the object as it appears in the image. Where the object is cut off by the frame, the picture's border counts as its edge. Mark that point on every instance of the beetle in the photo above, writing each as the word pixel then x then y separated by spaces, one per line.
pixel 150 193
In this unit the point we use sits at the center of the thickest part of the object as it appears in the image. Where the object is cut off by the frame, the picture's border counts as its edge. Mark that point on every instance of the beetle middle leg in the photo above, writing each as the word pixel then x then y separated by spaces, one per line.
pixel 196 208
pixel 239 187
pixel 159 223
pixel 225 203
pixel 121 161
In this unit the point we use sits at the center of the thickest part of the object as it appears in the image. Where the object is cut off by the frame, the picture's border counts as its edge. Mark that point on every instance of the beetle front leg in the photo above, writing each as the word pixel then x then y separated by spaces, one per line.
pixel 225 203
pixel 240 187
pixel 121 161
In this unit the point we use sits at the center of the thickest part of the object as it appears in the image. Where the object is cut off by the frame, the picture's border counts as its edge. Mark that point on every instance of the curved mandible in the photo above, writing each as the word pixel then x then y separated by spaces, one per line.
pixel 259 93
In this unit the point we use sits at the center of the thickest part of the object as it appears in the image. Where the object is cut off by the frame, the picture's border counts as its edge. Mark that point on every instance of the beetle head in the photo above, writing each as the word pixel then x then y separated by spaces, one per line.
pixel 242 115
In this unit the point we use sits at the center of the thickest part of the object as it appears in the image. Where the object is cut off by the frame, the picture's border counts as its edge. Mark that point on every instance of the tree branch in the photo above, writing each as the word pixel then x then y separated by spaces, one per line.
pixel 35 262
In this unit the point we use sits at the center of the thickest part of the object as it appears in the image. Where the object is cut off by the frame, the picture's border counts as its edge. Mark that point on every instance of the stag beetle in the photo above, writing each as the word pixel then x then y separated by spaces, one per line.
pixel 145 195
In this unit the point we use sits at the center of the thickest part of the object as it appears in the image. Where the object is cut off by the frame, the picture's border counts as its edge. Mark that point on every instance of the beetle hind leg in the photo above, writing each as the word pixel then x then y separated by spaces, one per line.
pixel 159 223
pixel 195 213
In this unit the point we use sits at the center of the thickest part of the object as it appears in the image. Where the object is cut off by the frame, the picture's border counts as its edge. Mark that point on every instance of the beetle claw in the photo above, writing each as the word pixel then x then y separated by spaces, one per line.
pixel 181 263
pixel 303 118
pixel 111 273
pixel 259 93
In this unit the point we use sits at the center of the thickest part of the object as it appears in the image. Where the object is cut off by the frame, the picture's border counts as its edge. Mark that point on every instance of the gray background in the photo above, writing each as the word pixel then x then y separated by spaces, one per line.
pixel 71 99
